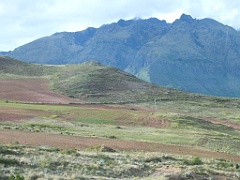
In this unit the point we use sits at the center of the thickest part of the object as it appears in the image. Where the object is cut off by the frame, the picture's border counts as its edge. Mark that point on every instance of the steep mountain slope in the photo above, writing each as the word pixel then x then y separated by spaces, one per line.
pixel 115 44
pixel 199 56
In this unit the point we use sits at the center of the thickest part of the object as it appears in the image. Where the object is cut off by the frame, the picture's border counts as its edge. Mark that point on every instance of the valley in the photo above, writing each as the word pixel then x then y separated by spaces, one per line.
pixel 53 127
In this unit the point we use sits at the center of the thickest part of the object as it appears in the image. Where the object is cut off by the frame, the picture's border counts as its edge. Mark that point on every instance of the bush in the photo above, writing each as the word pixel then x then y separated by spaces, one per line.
pixel 17 177
pixel 9 161
pixel 6 151
pixel 69 151
pixel 192 162
pixel 153 159
pixel 196 161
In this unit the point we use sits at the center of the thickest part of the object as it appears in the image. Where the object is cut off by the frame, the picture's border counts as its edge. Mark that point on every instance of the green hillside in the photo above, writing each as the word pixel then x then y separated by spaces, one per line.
pixel 95 82
pixel 12 66
pixel 90 81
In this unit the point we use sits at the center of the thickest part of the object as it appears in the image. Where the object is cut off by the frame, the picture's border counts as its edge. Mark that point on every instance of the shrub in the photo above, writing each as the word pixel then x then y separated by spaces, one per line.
pixel 6 151
pixel 196 161
pixel 69 151
pixel 192 162
pixel 112 137
pixel 153 159
pixel 15 177
pixel 9 161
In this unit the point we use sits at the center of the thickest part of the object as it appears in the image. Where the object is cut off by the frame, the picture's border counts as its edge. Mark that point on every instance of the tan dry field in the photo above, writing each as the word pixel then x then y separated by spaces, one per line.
pixel 81 143
pixel 30 90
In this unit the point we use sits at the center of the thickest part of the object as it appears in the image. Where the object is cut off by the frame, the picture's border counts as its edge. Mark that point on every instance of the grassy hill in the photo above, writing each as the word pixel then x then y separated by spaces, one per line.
pixel 96 82
pixel 90 81
pixel 12 66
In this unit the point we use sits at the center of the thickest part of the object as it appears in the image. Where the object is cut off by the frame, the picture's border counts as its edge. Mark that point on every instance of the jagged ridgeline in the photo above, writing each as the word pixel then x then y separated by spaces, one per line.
pixel 200 56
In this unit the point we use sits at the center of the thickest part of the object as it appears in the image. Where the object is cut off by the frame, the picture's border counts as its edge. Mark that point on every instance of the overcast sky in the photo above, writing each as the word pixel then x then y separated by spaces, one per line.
pixel 23 21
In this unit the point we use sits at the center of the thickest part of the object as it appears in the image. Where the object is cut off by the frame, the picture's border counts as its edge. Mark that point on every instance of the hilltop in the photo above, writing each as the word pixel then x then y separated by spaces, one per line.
pixel 10 66
pixel 90 81
pixel 95 82
pixel 200 56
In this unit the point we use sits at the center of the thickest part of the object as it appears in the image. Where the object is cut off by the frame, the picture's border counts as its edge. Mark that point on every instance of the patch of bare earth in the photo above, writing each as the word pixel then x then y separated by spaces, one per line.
pixel 166 171
pixel 157 122
pixel 30 90
pixel 63 141
pixel 228 123
pixel 13 114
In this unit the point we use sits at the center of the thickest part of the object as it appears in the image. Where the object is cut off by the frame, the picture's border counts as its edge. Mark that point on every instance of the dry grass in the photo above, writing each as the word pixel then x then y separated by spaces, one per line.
pixel 44 162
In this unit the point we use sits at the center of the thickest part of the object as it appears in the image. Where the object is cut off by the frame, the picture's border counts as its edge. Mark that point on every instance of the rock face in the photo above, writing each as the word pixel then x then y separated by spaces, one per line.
pixel 201 56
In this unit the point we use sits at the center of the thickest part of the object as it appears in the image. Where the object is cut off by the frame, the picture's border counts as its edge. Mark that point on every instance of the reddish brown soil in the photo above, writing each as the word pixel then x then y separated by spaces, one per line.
pixel 157 123
pixel 31 90
pixel 10 114
pixel 228 123
pixel 63 141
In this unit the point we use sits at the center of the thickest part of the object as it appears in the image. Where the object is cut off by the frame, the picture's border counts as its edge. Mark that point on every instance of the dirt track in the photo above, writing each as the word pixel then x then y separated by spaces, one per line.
pixel 31 90
pixel 63 141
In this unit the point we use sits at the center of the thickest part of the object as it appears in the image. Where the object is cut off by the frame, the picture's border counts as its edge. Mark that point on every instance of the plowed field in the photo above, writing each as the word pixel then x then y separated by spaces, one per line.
pixel 31 90
pixel 62 141
pixel 10 114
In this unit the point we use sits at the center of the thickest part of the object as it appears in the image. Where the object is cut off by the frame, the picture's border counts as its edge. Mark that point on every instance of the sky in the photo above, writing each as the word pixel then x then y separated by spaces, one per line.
pixel 23 21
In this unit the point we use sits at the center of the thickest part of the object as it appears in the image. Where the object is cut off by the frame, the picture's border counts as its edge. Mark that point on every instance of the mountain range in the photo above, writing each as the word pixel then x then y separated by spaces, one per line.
pixel 200 56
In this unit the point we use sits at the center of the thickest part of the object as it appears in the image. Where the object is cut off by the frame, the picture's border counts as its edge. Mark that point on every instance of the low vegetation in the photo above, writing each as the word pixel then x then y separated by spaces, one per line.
pixel 198 136
pixel 96 83
pixel 160 123
pixel 53 163
pixel 11 68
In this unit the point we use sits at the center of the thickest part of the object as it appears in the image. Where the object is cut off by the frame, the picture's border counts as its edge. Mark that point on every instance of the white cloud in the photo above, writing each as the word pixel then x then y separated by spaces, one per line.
pixel 25 20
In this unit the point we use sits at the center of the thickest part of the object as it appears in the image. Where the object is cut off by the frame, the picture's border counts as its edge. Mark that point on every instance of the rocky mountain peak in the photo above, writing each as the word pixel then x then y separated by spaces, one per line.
pixel 186 18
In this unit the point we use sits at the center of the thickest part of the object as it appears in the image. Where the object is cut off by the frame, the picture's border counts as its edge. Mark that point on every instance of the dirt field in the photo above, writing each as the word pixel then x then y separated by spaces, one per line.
pixel 31 90
pixel 10 114
pixel 62 141
pixel 232 124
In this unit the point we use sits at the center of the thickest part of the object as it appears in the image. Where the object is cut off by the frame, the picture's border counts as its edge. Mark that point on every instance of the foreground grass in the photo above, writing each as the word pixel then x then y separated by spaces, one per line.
pixel 96 163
